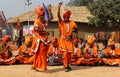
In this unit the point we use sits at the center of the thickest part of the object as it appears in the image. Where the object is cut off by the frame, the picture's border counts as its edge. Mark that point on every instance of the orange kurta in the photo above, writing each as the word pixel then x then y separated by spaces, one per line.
pixel 24 54
pixel 91 56
pixel 77 56
pixel 22 49
pixel 65 40
pixel 34 43
pixel 114 58
pixel 38 23
pixel 66 36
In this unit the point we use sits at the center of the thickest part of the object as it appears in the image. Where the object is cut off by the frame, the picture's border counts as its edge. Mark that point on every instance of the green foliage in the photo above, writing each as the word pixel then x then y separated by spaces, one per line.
pixel 106 13
pixel 79 2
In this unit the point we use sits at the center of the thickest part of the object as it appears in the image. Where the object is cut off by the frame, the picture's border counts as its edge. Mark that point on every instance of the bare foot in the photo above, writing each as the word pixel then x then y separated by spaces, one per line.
pixel 33 68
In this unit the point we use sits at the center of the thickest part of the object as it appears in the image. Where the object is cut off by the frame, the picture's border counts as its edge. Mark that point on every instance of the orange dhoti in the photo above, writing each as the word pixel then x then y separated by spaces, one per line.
pixel 109 61
pixel 40 60
pixel 91 56
pixel 40 57
pixel 10 61
pixel 90 61
pixel 111 56
pixel 76 56
pixel 66 46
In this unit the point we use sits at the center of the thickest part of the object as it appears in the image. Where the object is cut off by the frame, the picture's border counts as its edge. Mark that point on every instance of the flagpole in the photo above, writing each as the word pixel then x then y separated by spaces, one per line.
pixel 28 3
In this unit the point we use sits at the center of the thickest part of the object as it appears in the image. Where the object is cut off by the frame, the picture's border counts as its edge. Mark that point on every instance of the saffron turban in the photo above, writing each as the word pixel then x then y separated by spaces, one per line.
pixel 75 41
pixel 111 42
pixel 40 11
pixel 5 38
pixel 67 14
pixel 91 40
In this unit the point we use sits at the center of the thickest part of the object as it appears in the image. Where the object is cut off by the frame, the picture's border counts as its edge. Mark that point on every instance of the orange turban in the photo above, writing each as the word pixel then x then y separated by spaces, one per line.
pixel 111 42
pixel 5 38
pixel 76 40
pixel 40 11
pixel 54 40
pixel 91 40
pixel 27 40
pixel 67 14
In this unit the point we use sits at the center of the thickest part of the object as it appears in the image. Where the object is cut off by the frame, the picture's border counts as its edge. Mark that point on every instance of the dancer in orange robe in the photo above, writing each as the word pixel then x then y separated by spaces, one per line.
pixel 76 56
pixel 65 41
pixel 91 52
pixel 111 54
pixel 41 43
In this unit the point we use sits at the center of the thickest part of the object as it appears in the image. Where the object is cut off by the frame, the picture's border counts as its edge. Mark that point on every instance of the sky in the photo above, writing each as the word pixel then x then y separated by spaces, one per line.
pixel 12 8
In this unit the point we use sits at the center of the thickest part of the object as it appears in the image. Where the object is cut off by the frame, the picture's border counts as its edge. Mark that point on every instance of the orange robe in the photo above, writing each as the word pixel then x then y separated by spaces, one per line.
pixel 91 56
pixel 40 59
pixel 113 58
pixel 76 56
pixel 24 54
pixel 40 47
pixel 10 61
pixel 38 23
pixel 7 52
pixel 30 60
pixel 65 40
pixel 1 59
pixel 6 56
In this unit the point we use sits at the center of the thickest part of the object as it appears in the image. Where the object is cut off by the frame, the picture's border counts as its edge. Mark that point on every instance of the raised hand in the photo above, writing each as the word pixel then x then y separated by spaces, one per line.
pixel 49 7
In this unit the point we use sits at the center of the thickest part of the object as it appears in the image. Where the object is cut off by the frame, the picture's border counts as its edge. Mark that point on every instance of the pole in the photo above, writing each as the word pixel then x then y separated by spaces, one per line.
pixel 28 3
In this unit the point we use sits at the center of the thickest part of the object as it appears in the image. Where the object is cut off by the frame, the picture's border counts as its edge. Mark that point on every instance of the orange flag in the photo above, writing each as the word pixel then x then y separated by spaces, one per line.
pixel 18 23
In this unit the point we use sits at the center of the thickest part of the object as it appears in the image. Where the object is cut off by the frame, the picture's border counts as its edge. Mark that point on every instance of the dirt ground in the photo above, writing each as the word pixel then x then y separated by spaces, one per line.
pixel 58 71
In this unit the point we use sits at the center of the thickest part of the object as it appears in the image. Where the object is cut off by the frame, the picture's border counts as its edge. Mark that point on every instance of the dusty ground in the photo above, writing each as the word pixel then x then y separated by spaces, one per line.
pixel 58 71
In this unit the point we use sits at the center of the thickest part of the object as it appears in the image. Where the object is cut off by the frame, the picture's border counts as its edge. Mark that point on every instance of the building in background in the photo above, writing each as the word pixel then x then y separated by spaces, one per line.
pixel 79 15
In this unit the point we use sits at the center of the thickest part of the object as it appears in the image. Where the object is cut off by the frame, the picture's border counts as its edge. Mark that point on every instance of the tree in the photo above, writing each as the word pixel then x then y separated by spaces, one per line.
pixel 106 13
pixel 79 2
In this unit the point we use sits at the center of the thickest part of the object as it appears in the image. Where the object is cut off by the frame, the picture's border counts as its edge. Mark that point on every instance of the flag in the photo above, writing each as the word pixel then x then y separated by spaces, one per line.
pixel 46 12
pixel 18 23
pixel 8 29
pixel 3 18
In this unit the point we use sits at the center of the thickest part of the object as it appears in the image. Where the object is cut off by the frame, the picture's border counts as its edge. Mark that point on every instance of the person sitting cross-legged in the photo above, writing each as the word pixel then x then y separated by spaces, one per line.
pixel 111 54
pixel 90 52
pixel 54 55
pixel 76 56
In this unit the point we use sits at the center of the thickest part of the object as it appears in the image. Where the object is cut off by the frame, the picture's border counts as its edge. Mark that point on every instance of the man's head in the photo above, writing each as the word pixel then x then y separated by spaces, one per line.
pixel 5 39
pixel 91 40
pixel 111 43
pixel 66 16
pixel 28 40
pixel 75 42
pixel 40 12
